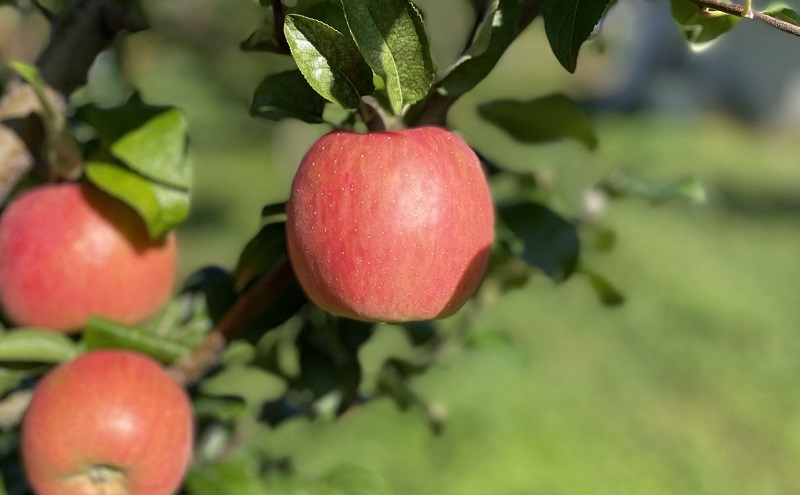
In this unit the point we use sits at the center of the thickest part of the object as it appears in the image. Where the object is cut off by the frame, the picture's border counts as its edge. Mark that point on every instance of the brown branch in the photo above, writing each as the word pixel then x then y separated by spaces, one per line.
pixel 247 308
pixel 279 13
pixel 80 33
pixel 738 10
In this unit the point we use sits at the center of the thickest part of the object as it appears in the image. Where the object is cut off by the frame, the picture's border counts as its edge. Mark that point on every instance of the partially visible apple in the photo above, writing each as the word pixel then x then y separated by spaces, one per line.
pixel 109 422
pixel 390 226
pixel 68 251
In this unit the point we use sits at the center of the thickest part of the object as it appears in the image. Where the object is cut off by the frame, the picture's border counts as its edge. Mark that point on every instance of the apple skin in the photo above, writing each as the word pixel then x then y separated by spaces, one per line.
pixel 109 422
pixel 68 251
pixel 390 226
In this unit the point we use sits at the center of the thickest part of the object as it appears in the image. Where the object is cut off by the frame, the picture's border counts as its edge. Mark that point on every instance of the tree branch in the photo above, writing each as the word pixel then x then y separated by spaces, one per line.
pixel 738 10
pixel 247 308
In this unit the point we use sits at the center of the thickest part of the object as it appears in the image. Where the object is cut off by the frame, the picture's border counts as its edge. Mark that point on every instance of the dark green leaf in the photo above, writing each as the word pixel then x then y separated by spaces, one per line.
pixel 328 11
pixel 783 13
pixel 157 149
pixel 568 23
pixel 543 239
pixel 497 30
pixel 100 333
pixel 605 290
pixel 392 39
pixel 699 26
pixel 35 345
pixel 263 38
pixel 329 60
pixel 261 254
pixel 548 118
pixel 287 94
pixel 161 207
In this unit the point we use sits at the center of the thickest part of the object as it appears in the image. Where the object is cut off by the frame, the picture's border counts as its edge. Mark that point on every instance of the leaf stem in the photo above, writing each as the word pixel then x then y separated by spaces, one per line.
pixel 743 11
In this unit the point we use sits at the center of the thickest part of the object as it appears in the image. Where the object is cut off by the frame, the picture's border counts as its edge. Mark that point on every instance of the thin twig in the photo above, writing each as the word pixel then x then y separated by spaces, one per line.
pixel 738 10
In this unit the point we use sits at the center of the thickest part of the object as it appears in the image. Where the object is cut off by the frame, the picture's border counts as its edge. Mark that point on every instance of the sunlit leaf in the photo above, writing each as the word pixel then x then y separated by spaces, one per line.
pixel 36 345
pixel 100 333
pixel 157 149
pixel 568 24
pixel 392 39
pixel 329 60
pixel 700 26
pixel 784 13
pixel 161 207
pixel 548 118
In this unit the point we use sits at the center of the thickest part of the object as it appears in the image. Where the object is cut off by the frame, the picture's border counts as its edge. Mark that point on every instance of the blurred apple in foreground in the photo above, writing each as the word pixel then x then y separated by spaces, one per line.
pixel 69 251
pixel 390 226
pixel 109 422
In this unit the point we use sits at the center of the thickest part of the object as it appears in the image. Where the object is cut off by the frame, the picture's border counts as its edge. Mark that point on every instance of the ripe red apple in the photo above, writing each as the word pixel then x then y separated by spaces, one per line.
pixel 390 226
pixel 109 422
pixel 69 251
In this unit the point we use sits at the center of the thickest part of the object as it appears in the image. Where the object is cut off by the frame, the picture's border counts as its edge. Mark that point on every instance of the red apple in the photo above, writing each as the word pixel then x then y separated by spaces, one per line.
pixel 390 226
pixel 69 251
pixel 109 422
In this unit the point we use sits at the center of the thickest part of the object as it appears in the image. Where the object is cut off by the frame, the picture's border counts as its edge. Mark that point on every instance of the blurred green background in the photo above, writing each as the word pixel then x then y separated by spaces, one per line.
pixel 691 387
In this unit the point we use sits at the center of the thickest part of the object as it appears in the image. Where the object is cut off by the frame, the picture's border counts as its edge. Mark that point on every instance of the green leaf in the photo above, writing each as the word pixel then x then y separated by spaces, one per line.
pixel 782 12
pixel 287 94
pixel 605 290
pixel 329 60
pixel 252 384
pixel 548 118
pixel 568 23
pixel 494 34
pixel 113 123
pixel 622 185
pixel 161 207
pixel 355 480
pixel 261 254
pixel 11 379
pixel 100 333
pixel 235 475
pixel 157 150
pixel 220 408
pixel 699 26
pixel 36 345
pixel 542 238
pixel 392 39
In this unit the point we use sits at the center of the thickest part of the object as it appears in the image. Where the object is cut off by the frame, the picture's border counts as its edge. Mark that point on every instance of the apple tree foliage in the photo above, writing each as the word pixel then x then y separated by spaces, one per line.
pixel 359 64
